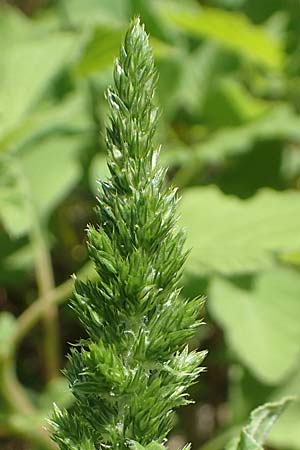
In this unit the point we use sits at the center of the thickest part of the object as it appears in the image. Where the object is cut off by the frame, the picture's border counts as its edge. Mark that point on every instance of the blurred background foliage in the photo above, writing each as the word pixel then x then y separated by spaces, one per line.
pixel 229 88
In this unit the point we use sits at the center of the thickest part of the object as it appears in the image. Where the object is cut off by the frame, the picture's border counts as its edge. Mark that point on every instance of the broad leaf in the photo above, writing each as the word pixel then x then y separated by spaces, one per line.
pixel 93 12
pixel 152 446
pixel 280 122
pixel 261 421
pixel 69 116
pixel 39 177
pixel 57 391
pixel 229 104
pixel 14 213
pixel 100 51
pixel 224 26
pixel 58 169
pixel 261 325
pixel 28 64
pixel 287 433
pixel 103 46
pixel 98 171
pixel 230 236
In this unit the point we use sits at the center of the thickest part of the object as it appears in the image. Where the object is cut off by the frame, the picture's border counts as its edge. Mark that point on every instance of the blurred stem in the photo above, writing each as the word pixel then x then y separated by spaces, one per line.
pixel 35 311
pixel 39 437
pixel 17 400
pixel 12 391
pixel 45 282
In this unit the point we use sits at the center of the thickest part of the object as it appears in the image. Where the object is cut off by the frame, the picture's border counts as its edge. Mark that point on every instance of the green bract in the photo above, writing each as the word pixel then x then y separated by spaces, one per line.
pixel 134 368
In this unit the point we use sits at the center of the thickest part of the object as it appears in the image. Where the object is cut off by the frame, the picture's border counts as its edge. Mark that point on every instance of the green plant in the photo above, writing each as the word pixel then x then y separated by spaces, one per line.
pixel 135 367
pixel 229 90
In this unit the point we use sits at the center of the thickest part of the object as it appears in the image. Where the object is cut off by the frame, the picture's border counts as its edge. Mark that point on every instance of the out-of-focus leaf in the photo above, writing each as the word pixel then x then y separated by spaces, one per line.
pixel 170 76
pixel 261 325
pixel 152 446
pixel 16 257
pixel 27 66
pixel 16 264
pixel 225 26
pixel 230 3
pixel 50 167
pixel 13 25
pixel 100 51
pixel 13 205
pixel 103 47
pixel 98 171
pixel 39 177
pixel 154 24
pixel 93 12
pixel 231 236
pixel 260 167
pixel 69 116
pixel 7 328
pixel 286 434
pixel 291 162
pixel 278 123
pixel 291 258
pixel 254 434
pixel 229 103
pixel 199 71
pixel 58 392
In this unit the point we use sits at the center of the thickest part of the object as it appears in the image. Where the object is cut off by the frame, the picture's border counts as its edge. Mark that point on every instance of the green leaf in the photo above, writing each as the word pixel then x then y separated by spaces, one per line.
pixel 98 171
pixel 152 446
pixel 40 177
pixel 261 421
pixel 199 71
pixel 286 434
pixel 229 103
pixel 57 391
pixel 224 26
pixel 231 236
pixel 49 139
pixel 100 51
pixel 261 325
pixel 13 204
pixel 69 116
pixel 56 158
pixel 13 25
pixel 27 67
pixel 103 46
pixel 278 123
pixel 17 263
pixel 93 12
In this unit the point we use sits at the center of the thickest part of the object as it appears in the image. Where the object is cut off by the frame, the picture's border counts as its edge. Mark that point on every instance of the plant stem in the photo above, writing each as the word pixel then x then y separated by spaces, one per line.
pixel 45 282
pixel 16 398
pixel 39 437
pixel 44 279
pixel 12 391
pixel 35 311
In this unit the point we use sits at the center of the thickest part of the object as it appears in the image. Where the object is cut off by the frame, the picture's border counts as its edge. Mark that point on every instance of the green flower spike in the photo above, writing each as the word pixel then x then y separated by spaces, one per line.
pixel 135 368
